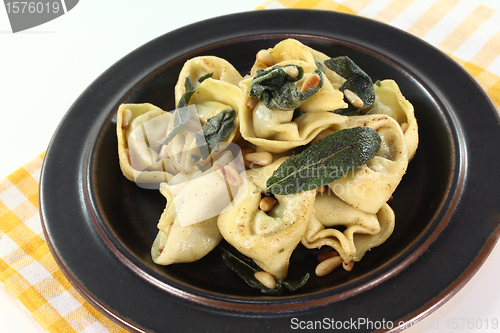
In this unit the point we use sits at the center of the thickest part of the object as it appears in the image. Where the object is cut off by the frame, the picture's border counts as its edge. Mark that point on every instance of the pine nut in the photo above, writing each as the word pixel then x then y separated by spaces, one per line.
pixel 261 158
pixel 348 265
pixel 354 99
pixel 322 189
pixel 310 82
pixel 266 279
pixel 251 103
pixel 327 266
pixel 265 57
pixel 292 72
pixel 228 173
pixel 267 203
pixel 127 116
pixel 327 255
pixel 404 127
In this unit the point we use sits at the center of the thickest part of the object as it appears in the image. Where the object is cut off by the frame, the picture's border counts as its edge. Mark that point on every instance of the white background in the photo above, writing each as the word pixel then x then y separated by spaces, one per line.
pixel 44 69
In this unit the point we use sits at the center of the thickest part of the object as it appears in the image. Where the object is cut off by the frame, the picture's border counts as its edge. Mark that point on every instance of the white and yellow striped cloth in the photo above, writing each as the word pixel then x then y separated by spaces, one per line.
pixel 467 31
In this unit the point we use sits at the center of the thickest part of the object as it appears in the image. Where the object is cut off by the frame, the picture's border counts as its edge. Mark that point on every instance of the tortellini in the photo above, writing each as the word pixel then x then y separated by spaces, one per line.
pixel 211 67
pixel 276 132
pixel 179 244
pixel 390 101
pixel 368 187
pixel 188 226
pixel 137 159
pixel 285 51
pixel 363 230
pixel 213 195
pixel 269 238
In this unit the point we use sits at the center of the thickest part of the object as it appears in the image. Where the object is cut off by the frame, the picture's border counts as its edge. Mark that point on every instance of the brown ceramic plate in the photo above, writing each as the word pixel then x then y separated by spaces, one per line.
pixel 100 226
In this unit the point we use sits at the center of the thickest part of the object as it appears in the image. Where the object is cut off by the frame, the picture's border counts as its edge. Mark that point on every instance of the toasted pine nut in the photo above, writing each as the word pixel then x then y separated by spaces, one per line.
pixel 267 203
pixel 327 266
pixel 228 173
pixel 251 103
pixel 265 57
pixel 354 99
pixel 322 189
pixel 266 279
pixel 261 158
pixel 292 71
pixel 348 265
pixel 310 82
pixel 404 127
pixel 327 255
pixel 127 116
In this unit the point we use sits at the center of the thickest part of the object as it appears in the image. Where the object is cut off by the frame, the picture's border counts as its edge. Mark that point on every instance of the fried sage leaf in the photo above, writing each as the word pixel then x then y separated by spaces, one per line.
pixel 182 117
pixel 204 77
pixel 215 130
pixel 277 90
pixel 357 81
pixel 189 86
pixel 325 161
pixel 246 270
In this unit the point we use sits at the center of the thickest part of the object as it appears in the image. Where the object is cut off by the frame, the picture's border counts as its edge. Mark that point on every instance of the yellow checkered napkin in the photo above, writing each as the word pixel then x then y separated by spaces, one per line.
pixel 468 32
pixel 27 269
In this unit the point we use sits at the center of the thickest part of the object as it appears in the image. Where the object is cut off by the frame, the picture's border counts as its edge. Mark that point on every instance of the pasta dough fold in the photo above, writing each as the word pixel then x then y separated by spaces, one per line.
pixel 371 185
pixel 136 123
pixel 214 96
pixel 269 238
pixel 179 244
pixel 275 131
pixel 390 101
pixel 363 231
pixel 198 67
pixel 188 226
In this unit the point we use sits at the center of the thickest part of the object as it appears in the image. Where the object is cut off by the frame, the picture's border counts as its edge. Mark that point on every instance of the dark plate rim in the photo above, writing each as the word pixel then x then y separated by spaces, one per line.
pixel 216 30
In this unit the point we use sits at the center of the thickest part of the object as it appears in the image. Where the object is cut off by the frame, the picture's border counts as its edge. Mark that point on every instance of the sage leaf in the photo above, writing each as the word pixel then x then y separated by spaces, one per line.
pixel 292 285
pixel 204 77
pixel 195 159
pixel 182 116
pixel 171 134
pixel 277 90
pixel 245 268
pixel 297 113
pixel 215 130
pixel 325 161
pixel 189 87
pixel 357 81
